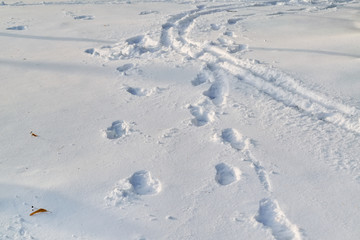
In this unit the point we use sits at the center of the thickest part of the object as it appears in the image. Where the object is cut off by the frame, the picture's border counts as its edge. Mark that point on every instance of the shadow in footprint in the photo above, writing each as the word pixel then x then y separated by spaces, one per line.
pixel 140 92
pixel 84 17
pixel 18 28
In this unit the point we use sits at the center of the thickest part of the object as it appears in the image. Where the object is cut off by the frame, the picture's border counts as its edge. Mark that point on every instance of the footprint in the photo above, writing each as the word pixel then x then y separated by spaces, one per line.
pixel 148 12
pixel 235 139
pixel 124 68
pixel 229 34
pixel 144 184
pixel 140 92
pixel 238 48
pixel 215 27
pixel 170 218
pixel 201 78
pixel 232 21
pixel 271 216
pixel 118 129
pixel 84 17
pixel 226 174
pixel 218 92
pixel 202 116
pixel 128 190
pixel 135 40
pixel 18 28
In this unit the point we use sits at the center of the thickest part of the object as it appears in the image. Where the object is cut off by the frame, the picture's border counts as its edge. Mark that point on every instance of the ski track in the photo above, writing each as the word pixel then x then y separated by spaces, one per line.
pixel 218 69
pixel 272 82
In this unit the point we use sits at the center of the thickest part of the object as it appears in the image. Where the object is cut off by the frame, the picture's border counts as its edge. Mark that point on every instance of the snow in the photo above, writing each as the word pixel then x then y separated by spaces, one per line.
pixel 180 119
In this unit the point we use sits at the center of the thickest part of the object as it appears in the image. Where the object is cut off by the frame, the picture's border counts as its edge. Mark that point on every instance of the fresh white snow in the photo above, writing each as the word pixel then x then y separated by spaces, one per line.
pixel 135 119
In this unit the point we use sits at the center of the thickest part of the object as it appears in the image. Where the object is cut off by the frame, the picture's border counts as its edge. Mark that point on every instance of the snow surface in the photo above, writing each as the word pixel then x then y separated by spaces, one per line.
pixel 130 119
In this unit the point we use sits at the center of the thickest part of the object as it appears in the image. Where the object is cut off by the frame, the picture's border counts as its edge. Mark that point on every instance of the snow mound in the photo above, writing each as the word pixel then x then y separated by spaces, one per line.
pixel 129 189
pixel 271 216
pixel 118 129
pixel 226 174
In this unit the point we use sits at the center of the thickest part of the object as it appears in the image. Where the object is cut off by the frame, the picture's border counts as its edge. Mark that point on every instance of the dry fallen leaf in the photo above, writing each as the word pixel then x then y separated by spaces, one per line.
pixel 33 134
pixel 39 211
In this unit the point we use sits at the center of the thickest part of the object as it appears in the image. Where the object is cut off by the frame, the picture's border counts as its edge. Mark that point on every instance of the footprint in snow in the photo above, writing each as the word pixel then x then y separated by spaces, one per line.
pixel 218 92
pixel 129 189
pixel 234 20
pixel 201 78
pixel 271 216
pixel 148 12
pixel 124 68
pixel 226 174
pixel 215 27
pixel 202 116
pixel 84 17
pixel 235 139
pixel 238 48
pixel 229 34
pixel 144 184
pixel 140 92
pixel 18 28
pixel 118 129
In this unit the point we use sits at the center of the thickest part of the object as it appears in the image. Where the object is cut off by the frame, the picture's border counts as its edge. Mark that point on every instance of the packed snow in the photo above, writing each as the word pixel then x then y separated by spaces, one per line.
pixel 141 119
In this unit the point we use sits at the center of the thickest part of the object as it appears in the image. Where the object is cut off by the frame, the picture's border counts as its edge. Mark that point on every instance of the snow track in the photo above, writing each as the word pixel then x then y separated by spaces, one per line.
pixel 176 36
pixel 167 130
pixel 223 66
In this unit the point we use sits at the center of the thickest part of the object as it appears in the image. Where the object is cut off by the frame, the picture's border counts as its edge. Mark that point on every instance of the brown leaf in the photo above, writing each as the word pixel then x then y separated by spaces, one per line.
pixel 39 211
pixel 33 134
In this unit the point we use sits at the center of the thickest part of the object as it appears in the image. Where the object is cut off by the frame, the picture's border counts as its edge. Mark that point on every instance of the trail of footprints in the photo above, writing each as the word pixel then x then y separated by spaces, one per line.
pixel 174 35
pixel 220 64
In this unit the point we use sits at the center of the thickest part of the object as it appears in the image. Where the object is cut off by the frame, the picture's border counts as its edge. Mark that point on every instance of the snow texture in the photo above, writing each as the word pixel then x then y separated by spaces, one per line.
pixel 218 119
